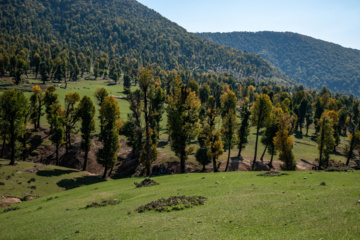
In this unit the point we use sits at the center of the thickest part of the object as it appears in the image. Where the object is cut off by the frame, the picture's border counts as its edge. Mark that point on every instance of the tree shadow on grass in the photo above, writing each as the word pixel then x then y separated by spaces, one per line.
pixel 78 182
pixel 53 173
pixel 298 135
pixel 162 144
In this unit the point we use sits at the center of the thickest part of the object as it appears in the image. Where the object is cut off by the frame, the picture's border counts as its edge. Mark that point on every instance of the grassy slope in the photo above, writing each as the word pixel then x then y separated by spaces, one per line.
pixel 243 205
pixel 48 179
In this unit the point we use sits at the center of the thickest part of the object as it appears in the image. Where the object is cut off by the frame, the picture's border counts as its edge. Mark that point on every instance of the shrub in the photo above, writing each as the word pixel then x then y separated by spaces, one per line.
pixel 147 182
pixel 102 204
pixel 272 174
pixel 174 203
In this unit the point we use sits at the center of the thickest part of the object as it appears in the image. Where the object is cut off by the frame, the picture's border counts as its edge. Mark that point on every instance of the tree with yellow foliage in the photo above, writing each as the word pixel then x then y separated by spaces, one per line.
pixel 109 136
pixel 284 143
pixel 210 135
pixel 260 116
pixel 183 115
pixel 325 140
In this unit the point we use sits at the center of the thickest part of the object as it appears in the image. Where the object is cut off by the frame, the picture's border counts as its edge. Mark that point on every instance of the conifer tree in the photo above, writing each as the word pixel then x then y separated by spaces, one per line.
pixel 229 128
pixel 183 115
pixel 109 136
pixel 13 108
pixel 244 129
pixel 70 116
pixel 210 135
pixel 284 143
pixel 57 129
pixel 86 112
pixel 260 116
pixel 325 140
pixel 36 103
pixel 100 95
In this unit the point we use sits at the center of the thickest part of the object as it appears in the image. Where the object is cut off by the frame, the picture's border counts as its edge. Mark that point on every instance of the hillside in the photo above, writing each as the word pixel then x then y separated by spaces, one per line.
pixel 301 205
pixel 309 61
pixel 27 181
pixel 118 28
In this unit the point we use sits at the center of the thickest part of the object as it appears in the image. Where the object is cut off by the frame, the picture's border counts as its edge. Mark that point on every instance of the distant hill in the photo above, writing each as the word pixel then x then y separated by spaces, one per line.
pixel 309 61
pixel 119 28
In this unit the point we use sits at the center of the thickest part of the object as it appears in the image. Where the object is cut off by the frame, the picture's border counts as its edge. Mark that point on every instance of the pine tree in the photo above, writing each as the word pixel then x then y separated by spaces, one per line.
pixel 229 128
pixel 325 140
pixel 86 112
pixel 210 135
pixel 284 143
pixel 260 116
pixel 244 129
pixel 36 103
pixel 183 115
pixel 57 130
pixel 109 136
pixel 70 116
pixel 13 108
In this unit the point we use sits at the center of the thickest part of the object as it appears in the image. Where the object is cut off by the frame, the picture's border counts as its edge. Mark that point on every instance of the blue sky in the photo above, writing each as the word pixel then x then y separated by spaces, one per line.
pixel 333 21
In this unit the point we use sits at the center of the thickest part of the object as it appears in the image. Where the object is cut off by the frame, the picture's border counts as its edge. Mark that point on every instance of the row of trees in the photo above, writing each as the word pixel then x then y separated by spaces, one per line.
pixel 194 113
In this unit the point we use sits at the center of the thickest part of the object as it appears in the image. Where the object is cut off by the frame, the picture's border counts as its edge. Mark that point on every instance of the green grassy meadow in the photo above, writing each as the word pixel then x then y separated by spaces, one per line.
pixel 241 206
pixel 34 179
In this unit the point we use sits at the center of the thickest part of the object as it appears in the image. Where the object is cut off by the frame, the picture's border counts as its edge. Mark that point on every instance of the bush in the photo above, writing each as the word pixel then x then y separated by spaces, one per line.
pixel 174 203
pixel 272 174
pixel 147 182
pixel 102 204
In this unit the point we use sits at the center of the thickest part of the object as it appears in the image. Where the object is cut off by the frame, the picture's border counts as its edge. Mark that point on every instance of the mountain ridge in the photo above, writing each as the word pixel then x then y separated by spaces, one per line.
pixel 121 28
pixel 310 61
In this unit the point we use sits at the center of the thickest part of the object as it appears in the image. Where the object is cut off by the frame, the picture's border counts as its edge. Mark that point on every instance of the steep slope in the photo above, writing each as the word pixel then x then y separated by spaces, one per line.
pixel 307 60
pixel 119 28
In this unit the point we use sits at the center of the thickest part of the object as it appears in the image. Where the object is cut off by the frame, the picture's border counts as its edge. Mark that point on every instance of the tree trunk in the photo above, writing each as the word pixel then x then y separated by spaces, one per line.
pixel 214 164
pixel 105 170
pixel 182 162
pixel 57 155
pixel 239 154
pixel 307 130
pixel 228 160
pixel 24 148
pixel 204 169
pixel 271 160
pixel 350 150
pixel 111 169
pixel 256 144
pixel 85 160
pixel 262 156
pixel 3 146
pixel 12 144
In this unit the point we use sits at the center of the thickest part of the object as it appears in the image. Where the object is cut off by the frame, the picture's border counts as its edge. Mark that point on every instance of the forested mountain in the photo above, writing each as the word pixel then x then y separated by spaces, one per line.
pixel 307 60
pixel 118 28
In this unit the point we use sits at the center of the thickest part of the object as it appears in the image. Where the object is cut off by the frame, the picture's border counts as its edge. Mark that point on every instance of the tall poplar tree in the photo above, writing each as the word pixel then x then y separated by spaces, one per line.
pixel 183 115
pixel 109 136
pixel 325 140
pixel 210 135
pixel 86 112
pixel 260 116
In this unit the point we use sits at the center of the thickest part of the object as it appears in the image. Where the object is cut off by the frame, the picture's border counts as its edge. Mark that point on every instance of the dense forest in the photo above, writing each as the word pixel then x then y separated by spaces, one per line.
pixel 118 28
pixel 309 61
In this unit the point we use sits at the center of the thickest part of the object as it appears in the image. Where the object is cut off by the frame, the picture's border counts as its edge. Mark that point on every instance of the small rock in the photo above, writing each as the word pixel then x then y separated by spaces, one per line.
pixel 224 177
pixel 203 178
pixel 217 182
pixel 283 192
pixel 199 222
pixel 305 177
pixel 237 228
pixel 359 201
pixel 77 231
